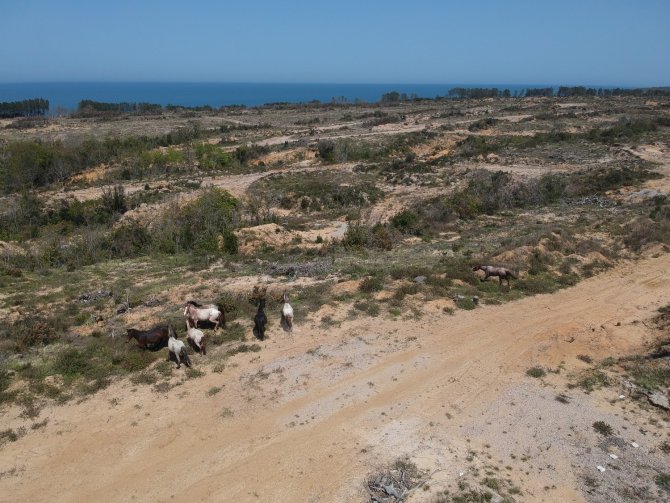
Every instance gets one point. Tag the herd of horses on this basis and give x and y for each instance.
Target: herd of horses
(162, 336)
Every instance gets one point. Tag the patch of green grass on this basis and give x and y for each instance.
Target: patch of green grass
(536, 372)
(492, 483)
(145, 377)
(466, 303)
(663, 481)
(608, 362)
(406, 289)
(372, 284)
(368, 306)
(243, 348)
(651, 376)
(213, 390)
(233, 332)
(592, 380)
(10, 435)
(192, 373)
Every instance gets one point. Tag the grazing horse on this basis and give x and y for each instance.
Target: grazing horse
(196, 339)
(501, 272)
(195, 312)
(260, 320)
(154, 338)
(287, 314)
(178, 349)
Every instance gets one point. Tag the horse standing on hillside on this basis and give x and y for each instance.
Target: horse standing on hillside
(154, 338)
(177, 349)
(287, 315)
(195, 312)
(260, 320)
(501, 272)
(196, 339)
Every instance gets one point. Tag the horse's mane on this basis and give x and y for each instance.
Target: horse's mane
(194, 303)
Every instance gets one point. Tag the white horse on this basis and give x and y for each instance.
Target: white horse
(196, 338)
(195, 312)
(178, 349)
(287, 314)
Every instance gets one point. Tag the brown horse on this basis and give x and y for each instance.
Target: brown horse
(155, 338)
(501, 272)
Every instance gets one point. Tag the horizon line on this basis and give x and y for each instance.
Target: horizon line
(545, 84)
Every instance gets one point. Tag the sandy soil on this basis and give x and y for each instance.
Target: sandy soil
(313, 413)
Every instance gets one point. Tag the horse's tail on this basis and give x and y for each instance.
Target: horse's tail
(185, 358)
(222, 317)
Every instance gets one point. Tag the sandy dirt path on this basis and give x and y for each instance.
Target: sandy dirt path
(311, 414)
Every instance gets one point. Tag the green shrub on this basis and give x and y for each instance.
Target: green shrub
(536, 372)
(466, 303)
(603, 428)
(212, 157)
(372, 284)
(71, 363)
(592, 380)
(246, 153)
(406, 221)
(356, 236)
(199, 224)
(130, 240)
(230, 243)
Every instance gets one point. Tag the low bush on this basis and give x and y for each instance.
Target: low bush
(536, 372)
(359, 236)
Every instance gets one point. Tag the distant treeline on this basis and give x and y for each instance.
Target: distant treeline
(565, 92)
(535, 92)
(123, 107)
(91, 107)
(25, 108)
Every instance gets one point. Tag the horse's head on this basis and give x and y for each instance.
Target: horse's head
(285, 297)
(261, 304)
(131, 333)
(476, 267)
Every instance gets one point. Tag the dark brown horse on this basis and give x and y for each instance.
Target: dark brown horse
(155, 338)
(501, 272)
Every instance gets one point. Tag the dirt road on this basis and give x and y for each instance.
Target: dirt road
(312, 414)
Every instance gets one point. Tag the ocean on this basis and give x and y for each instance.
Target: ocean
(63, 95)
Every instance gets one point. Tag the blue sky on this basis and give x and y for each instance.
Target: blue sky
(606, 42)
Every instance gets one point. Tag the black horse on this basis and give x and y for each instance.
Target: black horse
(260, 320)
